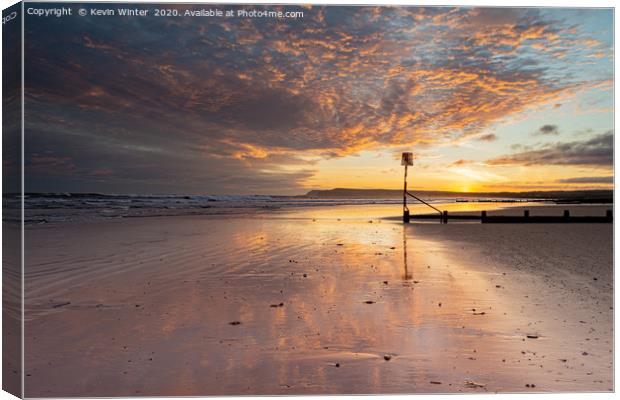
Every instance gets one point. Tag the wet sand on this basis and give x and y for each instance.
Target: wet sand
(316, 301)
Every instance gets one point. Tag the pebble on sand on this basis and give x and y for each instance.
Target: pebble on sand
(369, 302)
(532, 336)
(473, 384)
(235, 323)
(436, 382)
(387, 357)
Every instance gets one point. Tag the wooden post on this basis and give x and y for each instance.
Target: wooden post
(609, 215)
(566, 214)
(445, 217)
(526, 213)
(483, 215)
(405, 208)
(406, 160)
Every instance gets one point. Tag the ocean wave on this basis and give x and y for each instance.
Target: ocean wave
(61, 207)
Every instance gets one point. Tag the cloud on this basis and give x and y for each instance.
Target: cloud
(589, 179)
(460, 162)
(487, 138)
(594, 152)
(548, 130)
(276, 95)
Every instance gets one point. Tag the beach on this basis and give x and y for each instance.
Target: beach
(318, 300)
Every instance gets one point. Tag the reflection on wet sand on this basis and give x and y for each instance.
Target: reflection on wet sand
(408, 275)
(306, 304)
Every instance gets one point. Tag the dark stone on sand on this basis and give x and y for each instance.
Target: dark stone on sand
(532, 336)
(66, 303)
(472, 384)
(585, 353)
(235, 323)
(369, 302)
(385, 282)
(337, 365)
(436, 382)
(387, 357)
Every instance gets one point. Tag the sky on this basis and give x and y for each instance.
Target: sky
(487, 99)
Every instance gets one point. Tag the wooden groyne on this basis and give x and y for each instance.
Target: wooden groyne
(526, 218)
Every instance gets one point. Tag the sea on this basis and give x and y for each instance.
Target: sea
(41, 208)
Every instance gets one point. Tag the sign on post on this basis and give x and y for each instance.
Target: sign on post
(407, 159)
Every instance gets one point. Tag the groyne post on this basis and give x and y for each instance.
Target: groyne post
(406, 160)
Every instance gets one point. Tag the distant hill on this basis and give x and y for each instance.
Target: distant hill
(572, 195)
